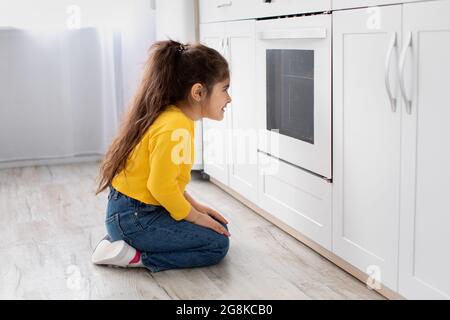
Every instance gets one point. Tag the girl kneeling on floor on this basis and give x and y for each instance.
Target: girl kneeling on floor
(151, 220)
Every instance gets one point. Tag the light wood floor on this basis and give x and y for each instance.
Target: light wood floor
(51, 221)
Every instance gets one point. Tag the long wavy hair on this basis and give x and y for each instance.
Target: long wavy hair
(172, 68)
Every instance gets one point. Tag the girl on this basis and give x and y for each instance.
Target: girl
(151, 220)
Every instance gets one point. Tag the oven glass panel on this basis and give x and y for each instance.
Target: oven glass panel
(290, 93)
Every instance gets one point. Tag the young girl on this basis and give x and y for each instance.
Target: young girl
(151, 220)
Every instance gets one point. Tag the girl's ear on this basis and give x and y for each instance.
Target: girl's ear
(198, 92)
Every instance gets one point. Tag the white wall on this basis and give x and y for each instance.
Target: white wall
(64, 89)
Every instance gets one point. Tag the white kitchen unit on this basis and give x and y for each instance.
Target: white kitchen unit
(215, 133)
(346, 4)
(296, 197)
(366, 141)
(242, 109)
(235, 136)
(227, 10)
(223, 10)
(381, 213)
(390, 172)
(425, 214)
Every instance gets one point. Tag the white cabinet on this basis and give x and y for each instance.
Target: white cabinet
(227, 10)
(366, 142)
(231, 144)
(242, 110)
(297, 198)
(215, 133)
(346, 4)
(425, 214)
(391, 173)
(223, 10)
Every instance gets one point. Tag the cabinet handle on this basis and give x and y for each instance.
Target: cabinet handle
(225, 4)
(222, 47)
(229, 57)
(392, 45)
(408, 43)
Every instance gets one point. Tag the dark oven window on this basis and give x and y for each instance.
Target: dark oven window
(290, 93)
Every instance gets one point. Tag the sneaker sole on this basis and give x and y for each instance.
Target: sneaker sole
(108, 252)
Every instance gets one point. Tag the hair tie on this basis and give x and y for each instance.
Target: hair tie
(181, 48)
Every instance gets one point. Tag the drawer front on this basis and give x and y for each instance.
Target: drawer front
(299, 199)
(228, 10)
(223, 10)
(346, 4)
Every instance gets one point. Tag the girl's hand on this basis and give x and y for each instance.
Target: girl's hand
(204, 220)
(211, 212)
(205, 209)
(208, 222)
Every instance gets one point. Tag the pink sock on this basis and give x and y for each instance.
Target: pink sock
(136, 259)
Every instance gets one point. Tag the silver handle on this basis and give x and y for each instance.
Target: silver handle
(222, 47)
(408, 43)
(225, 4)
(228, 49)
(387, 64)
(229, 55)
(300, 33)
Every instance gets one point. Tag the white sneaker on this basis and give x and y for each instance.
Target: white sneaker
(116, 253)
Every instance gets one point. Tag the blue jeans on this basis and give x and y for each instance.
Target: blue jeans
(164, 242)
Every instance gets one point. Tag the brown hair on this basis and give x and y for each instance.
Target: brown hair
(168, 76)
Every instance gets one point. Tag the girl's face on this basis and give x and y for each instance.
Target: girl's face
(215, 106)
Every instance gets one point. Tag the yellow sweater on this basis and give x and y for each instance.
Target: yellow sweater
(159, 167)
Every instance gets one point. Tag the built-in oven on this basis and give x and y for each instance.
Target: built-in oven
(293, 57)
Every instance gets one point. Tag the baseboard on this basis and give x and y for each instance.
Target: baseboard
(49, 161)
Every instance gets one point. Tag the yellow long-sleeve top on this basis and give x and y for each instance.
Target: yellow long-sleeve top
(159, 167)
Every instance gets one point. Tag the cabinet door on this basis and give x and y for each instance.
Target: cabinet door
(241, 111)
(366, 141)
(215, 133)
(425, 214)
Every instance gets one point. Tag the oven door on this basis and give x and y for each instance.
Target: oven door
(294, 90)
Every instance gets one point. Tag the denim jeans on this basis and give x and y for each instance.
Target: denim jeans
(164, 242)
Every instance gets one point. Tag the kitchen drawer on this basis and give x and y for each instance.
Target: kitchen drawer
(287, 7)
(227, 10)
(223, 10)
(347, 4)
(299, 199)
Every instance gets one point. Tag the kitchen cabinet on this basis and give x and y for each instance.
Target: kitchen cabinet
(390, 170)
(366, 141)
(236, 135)
(296, 197)
(215, 133)
(227, 10)
(223, 10)
(425, 215)
(242, 109)
(347, 4)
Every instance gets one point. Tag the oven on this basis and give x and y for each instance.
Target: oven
(293, 86)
